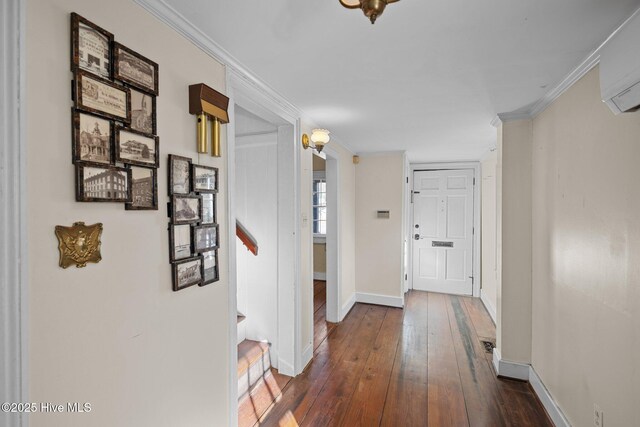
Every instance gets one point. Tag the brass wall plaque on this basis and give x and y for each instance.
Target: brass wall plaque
(79, 244)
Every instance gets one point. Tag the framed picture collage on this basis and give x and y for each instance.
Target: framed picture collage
(193, 229)
(115, 147)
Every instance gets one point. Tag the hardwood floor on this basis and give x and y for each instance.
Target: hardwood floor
(421, 366)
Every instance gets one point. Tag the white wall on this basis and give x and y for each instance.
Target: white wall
(513, 328)
(586, 256)
(380, 242)
(114, 333)
(489, 222)
(257, 209)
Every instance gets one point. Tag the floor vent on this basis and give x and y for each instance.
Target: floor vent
(488, 346)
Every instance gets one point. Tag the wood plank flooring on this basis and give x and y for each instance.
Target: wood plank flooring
(421, 366)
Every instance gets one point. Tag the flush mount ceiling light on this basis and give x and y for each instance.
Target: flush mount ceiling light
(319, 138)
(371, 8)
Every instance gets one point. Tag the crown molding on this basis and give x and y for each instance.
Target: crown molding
(586, 65)
(171, 17)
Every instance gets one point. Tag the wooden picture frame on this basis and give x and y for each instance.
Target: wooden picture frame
(204, 179)
(91, 47)
(137, 148)
(210, 274)
(92, 183)
(205, 238)
(143, 112)
(187, 272)
(180, 242)
(179, 175)
(92, 140)
(209, 213)
(144, 189)
(185, 209)
(91, 93)
(134, 69)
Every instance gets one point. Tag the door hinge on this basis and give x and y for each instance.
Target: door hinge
(474, 181)
(472, 279)
(412, 193)
(405, 277)
(407, 180)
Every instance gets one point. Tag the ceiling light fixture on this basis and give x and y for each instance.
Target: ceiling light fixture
(371, 8)
(319, 138)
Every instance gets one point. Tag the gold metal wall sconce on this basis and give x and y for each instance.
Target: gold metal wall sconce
(208, 105)
(79, 244)
(319, 138)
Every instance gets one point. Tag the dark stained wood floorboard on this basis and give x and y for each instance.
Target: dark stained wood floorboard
(371, 392)
(446, 403)
(407, 393)
(301, 393)
(334, 398)
(482, 398)
(438, 375)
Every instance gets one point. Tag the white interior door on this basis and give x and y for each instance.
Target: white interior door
(443, 231)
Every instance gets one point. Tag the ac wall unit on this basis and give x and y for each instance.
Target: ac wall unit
(620, 68)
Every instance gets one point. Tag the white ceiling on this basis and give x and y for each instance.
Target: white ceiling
(427, 78)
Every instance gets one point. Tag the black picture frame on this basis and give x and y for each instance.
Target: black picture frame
(197, 186)
(129, 67)
(173, 256)
(216, 269)
(188, 281)
(80, 139)
(154, 162)
(104, 59)
(180, 211)
(138, 121)
(179, 185)
(204, 219)
(97, 191)
(88, 100)
(197, 247)
(139, 192)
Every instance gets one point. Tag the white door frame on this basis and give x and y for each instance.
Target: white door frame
(13, 212)
(334, 228)
(253, 98)
(475, 166)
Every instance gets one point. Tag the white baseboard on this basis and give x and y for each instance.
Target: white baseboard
(347, 306)
(489, 306)
(379, 299)
(317, 275)
(525, 372)
(505, 368)
(285, 368)
(307, 354)
(554, 411)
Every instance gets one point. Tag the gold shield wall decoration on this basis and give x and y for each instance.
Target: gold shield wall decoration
(79, 244)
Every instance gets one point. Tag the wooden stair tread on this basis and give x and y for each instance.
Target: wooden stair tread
(248, 353)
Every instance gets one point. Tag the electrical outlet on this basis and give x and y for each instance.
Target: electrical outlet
(598, 416)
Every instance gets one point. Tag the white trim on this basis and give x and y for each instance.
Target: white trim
(387, 300)
(232, 297)
(490, 308)
(507, 369)
(320, 239)
(333, 236)
(549, 403)
(346, 307)
(13, 209)
(319, 275)
(307, 355)
(586, 65)
(477, 206)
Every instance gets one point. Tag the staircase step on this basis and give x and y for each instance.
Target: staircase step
(253, 361)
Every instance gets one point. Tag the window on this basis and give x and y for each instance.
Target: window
(319, 205)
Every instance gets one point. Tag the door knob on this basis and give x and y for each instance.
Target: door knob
(417, 237)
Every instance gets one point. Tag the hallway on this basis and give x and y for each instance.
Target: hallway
(424, 365)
